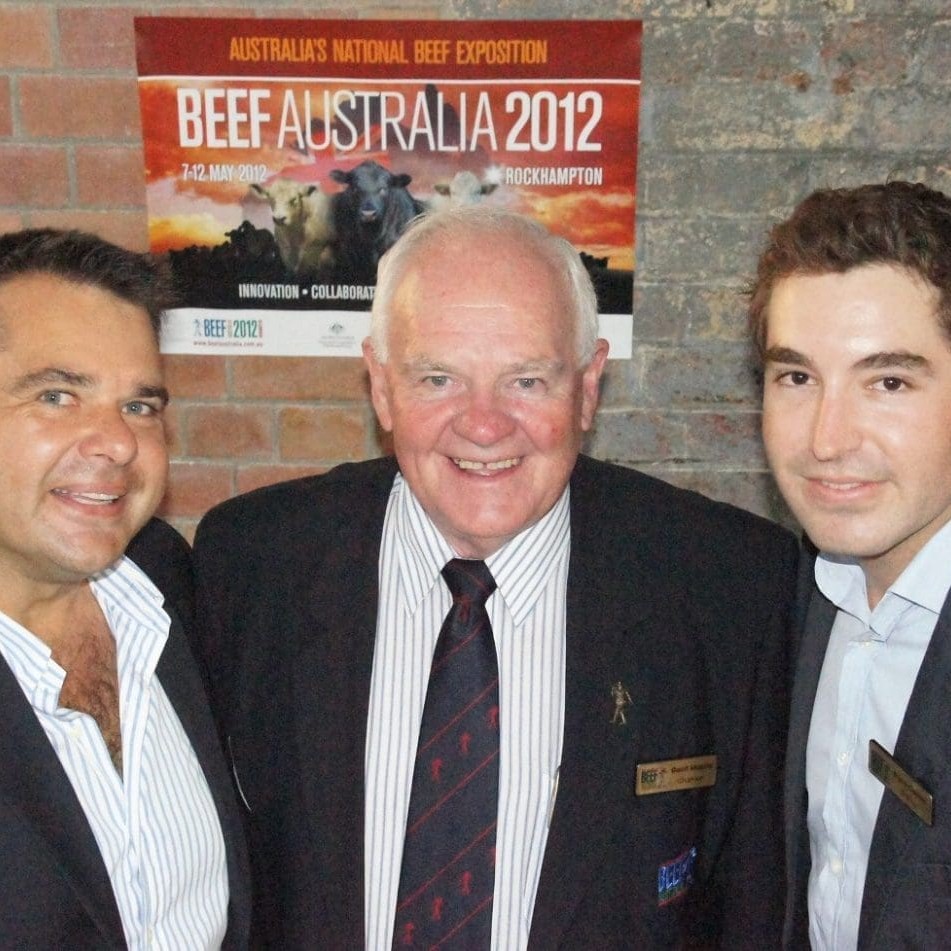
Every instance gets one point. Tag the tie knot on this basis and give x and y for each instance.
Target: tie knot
(469, 580)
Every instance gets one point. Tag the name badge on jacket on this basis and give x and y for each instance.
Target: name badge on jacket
(883, 766)
(673, 775)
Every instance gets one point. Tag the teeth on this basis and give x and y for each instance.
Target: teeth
(477, 466)
(88, 498)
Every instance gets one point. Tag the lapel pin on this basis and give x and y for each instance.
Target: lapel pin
(621, 699)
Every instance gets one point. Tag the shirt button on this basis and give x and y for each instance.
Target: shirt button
(835, 864)
(843, 758)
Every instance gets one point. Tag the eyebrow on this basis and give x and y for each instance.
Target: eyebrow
(49, 376)
(883, 360)
(424, 364)
(786, 355)
(52, 376)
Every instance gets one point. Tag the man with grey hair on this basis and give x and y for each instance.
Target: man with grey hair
(415, 782)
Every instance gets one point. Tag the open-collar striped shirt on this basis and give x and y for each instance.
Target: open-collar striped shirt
(527, 612)
(156, 825)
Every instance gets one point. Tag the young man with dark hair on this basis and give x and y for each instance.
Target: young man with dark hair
(851, 310)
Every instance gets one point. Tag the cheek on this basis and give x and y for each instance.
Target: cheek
(419, 426)
(551, 432)
(152, 453)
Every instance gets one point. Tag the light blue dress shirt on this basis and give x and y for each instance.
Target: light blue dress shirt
(867, 678)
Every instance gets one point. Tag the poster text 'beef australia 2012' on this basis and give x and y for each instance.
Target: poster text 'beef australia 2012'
(283, 157)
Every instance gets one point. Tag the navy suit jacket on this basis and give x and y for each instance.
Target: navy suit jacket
(54, 888)
(907, 897)
(681, 599)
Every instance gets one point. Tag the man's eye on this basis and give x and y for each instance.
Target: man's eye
(54, 397)
(794, 378)
(437, 381)
(528, 382)
(892, 384)
(139, 408)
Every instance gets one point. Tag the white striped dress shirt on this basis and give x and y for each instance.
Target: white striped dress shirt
(527, 612)
(156, 826)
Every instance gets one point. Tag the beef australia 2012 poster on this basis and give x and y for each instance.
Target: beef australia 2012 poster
(283, 157)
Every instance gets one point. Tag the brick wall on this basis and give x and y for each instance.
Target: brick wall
(747, 106)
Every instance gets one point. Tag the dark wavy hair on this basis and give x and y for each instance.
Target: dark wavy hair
(834, 230)
(83, 258)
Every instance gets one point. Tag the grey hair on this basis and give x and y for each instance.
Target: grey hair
(488, 224)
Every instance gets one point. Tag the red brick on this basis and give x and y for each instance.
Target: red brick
(80, 107)
(10, 222)
(6, 107)
(254, 477)
(97, 38)
(187, 375)
(33, 175)
(125, 228)
(25, 37)
(194, 487)
(228, 432)
(300, 378)
(110, 176)
(322, 433)
(173, 423)
(185, 527)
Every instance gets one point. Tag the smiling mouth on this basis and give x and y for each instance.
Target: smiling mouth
(840, 486)
(472, 466)
(88, 498)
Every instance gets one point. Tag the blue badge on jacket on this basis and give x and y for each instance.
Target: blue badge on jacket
(675, 877)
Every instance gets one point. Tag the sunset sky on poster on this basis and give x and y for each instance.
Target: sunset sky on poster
(187, 208)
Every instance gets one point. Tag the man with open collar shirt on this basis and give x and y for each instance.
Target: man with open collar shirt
(118, 824)
(851, 311)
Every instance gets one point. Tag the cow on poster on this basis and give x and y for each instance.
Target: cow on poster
(283, 158)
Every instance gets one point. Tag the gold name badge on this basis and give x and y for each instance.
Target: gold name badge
(672, 775)
(884, 767)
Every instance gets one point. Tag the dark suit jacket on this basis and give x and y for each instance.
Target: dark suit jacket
(54, 888)
(907, 897)
(681, 599)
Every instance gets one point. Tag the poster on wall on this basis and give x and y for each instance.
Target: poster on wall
(283, 157)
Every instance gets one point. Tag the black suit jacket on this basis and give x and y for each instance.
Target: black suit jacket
(681, 599)
(54, 888)
(907, 897)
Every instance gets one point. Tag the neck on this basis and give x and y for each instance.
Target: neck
(50, 611)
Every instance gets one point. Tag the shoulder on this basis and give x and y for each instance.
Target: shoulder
(316, 496)
(680, 529)
(293, 514)
(165, 557)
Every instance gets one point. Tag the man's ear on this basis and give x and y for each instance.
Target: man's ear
(379, 387)
(591, 384)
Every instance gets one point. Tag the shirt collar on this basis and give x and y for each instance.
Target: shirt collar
(132, 606)
(925, 582)
(521, 567)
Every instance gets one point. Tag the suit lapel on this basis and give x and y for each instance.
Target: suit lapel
(922, 750)
(603, 607)
(36, 786)
(332, 692)
(817, 616)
